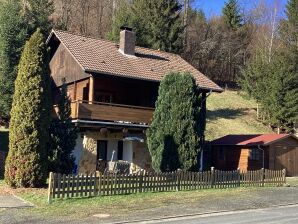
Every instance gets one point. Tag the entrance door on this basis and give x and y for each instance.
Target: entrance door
(102, 150)
(286, 158)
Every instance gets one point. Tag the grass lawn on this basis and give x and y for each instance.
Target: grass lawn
(116, 205)
(231, 113)
(120, 204)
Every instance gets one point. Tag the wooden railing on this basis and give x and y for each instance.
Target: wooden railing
(110, 112)
(97, 184)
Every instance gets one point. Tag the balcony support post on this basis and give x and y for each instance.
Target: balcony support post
(91, 90)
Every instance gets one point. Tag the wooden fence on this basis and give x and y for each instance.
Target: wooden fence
(97, 184)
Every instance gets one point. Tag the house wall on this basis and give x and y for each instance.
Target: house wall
(135, 152)
(63, 65)
(284, 155)
(233, 157)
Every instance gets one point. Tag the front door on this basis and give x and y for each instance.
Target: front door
(102, 150)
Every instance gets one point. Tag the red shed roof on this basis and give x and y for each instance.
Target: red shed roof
(250, 140)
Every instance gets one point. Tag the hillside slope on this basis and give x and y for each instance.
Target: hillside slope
(230, 113)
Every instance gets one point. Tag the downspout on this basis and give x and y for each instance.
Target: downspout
(263, 165)
(203, 137)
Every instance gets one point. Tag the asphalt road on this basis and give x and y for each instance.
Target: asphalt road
(278, 215)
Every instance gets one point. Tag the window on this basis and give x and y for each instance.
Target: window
(102, 150)
(254, 154)
(120, 150)
(103, 97)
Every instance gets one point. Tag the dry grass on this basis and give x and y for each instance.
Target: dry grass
(230, 113)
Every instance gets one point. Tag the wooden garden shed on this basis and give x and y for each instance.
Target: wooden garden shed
(253, 152)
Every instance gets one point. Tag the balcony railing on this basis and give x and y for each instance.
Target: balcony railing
(110, 112)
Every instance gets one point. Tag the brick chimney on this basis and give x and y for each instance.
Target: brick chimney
(127, 41)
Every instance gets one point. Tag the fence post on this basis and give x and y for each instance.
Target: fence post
(178, 172)
(239, 177)
(50, 189)
(141, 182)
(284, 176)
(96, 183)
(263, 176)
(212, 182)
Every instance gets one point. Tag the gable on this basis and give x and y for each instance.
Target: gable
(64, 66)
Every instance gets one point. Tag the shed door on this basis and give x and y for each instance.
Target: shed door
(287, 158)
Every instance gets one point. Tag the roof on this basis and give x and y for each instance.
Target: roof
(102, 56)
(250, 140)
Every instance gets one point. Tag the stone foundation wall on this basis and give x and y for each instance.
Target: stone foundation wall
(87, 161)
(141, 157)
(88, 158)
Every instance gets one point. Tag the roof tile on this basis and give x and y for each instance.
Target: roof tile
(102, 56)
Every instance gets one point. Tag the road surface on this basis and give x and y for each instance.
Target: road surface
(274, 215)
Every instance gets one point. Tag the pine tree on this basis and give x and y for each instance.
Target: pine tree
(18, 22)
(158, 23)
(231, 13)
(38, 15)
(13, 34)
(173, 135)
(30, 115)
(63, 134)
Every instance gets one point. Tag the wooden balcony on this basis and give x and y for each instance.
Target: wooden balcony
(110, 112)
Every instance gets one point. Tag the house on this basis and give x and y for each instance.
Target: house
(252, 152)
(113, 88)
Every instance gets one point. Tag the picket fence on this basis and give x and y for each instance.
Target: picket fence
(98, 184)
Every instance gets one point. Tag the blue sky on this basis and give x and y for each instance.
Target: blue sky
(214, 7)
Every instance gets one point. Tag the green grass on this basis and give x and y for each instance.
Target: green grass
(121, 204)
(292, 181)
(3, 139)
(231, 113)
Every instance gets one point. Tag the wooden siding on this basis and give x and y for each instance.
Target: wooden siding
(243, 161)
(63, 65)
(111, 112)
(284, 155)
(233, 157)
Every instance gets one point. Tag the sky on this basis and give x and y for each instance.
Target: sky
(214, 7)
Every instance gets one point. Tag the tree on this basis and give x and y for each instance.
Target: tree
(30, 115)
(158, 23)
(172, 138)
(13, 33)
(18, 22)
(231, 14)
(63, 134)
(38, 15)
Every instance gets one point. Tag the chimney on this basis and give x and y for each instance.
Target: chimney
(127, 40)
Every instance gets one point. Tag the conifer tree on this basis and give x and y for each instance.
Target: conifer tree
(19, 19)
(232, 17)
(38, 15)
(63, 134)
(158, 23)
(173, 135)
(13, 33)
(30, 115)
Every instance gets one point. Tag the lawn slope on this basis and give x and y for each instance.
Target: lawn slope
(230, 113)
